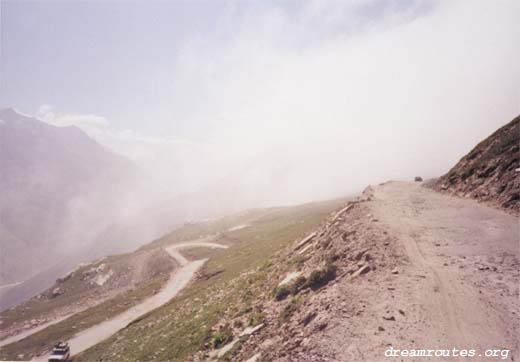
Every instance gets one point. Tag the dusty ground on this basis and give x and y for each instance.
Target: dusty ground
(415, 270)
(457, 287)
(412, 269)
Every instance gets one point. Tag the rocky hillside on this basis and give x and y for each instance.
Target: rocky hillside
(490, 172)
(91, 284)
(107, 287)
(331, 281)
(278, 303)
(344, 290)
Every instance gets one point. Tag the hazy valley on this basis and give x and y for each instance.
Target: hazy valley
(270, 181)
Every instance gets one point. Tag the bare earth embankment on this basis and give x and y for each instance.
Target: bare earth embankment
(406, 268)
(403, 268)
(490, 172)
(458, 286)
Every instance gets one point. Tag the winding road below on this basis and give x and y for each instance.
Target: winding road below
(178, 280)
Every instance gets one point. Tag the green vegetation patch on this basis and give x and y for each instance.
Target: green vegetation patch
(187, 323)
(320, 277)
(222, 337)
(289, 309)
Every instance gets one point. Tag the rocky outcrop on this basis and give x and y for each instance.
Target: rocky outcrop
(490, 172)
(348, 250)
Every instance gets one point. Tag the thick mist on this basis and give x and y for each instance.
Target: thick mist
(319, 108)
(260, 104)
(290, 104)
(234, 106)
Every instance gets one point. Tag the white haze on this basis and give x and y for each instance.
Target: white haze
(293, 106)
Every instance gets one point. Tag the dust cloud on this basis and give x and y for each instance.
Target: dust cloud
(292, 104)
(288, 103)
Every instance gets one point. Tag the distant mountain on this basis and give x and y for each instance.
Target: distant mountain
(67, 199)
(59, 189)
(491, 171)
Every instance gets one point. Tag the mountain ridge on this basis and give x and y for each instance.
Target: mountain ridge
(49, 176)
(490, 172)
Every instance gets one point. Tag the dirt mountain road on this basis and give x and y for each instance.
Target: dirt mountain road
(179, 279)
(456, 286)
(449, 241)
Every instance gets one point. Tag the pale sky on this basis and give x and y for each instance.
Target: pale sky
(320, 97)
